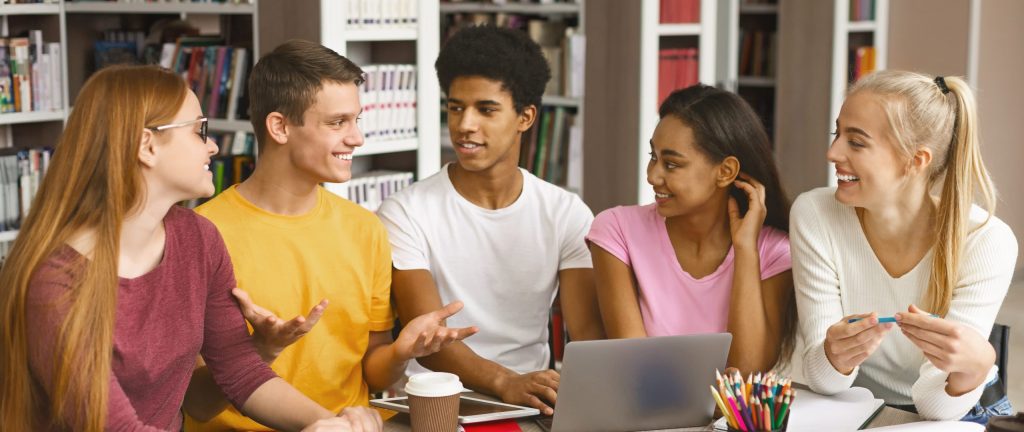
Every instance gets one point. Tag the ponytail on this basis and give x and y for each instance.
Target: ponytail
(965, 174)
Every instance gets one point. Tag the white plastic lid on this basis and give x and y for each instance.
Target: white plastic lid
(433, 384)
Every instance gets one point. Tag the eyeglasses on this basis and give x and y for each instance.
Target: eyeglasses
(203, 122)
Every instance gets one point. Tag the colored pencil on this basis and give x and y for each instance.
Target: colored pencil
(721, 407)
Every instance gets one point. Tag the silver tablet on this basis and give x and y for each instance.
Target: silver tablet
(471, 410)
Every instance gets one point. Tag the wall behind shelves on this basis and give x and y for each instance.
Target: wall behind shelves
(801, 134)
(610, 164)
(937, 45)
(932, 37)
(1000, 104)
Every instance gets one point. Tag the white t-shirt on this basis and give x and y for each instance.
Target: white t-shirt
(502, 264)
(836, 273)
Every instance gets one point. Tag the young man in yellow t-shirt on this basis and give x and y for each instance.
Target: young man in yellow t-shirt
(295, 246)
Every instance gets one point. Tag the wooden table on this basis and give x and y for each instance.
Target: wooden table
(888, 417)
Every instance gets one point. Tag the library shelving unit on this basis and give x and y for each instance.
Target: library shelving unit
(38, 128)
(622, 91)
(571, 14)
(78, 25)
(327, 22)
(748, 53)
(817, 40)
(236, 22)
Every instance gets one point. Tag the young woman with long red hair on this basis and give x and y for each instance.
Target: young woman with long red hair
(111, 290)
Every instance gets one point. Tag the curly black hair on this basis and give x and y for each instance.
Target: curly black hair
(501, 54)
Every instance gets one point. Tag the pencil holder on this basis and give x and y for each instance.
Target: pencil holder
(781, 428)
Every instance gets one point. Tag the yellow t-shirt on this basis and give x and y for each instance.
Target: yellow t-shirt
(338, 251)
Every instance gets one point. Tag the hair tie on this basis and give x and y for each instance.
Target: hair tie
(941, 82)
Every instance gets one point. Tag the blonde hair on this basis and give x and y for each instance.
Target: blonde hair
(922, 113)
(93, 182)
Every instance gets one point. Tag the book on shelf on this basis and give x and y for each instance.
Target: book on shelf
(551, 146)
(216, 72)
(861, 62)
(370, 189)
(862, 10)
(30, 74)
(20, 177)
(757, 53)
(389, 102)
(27, 1)
(382, 14)
(561, 43)
(679, 11)
(677, 68)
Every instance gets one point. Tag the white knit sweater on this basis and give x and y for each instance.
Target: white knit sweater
(837, 274)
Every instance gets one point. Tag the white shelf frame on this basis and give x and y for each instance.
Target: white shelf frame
(30, 9)
(8, 236)
(223, 125)
(376, 147)
(336, 35)
(527, 8)
(842, 27)
(380, 35)
(562, 101)
(683, 29)
(765, 9)
(648, 83)
(31, 117)
(755, 81)
(159, 8)
(861, 26)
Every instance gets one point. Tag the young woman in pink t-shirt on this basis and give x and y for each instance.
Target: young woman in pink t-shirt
(712, 254)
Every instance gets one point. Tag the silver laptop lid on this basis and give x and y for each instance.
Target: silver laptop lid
(624, 385)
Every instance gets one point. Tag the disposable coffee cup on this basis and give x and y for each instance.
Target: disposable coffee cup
(434, 401)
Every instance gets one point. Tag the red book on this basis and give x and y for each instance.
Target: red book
(692, 66)
(665, 78)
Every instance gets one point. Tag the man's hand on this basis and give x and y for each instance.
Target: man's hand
(427, 334)
(271, 334)
(536, 389)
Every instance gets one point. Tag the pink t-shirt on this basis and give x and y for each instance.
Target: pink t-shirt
(672, 302)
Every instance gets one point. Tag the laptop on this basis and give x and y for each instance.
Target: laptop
(621, 385)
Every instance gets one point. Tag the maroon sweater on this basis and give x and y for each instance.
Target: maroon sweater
(164, 319)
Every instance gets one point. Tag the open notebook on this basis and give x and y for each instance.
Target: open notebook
(849, 410)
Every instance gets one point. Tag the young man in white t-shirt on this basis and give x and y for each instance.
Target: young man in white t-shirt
(490, 234)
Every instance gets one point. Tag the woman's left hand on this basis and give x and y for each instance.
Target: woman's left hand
(950, 346)
(746, 230)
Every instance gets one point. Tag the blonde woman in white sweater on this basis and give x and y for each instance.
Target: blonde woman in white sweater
(881, 244)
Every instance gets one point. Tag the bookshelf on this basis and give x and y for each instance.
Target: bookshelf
(160, 8)
(816, 39)
(368, 45)
(624, 85)
(234, 22)
(748, 54)
(28, 127)
(560, 28)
